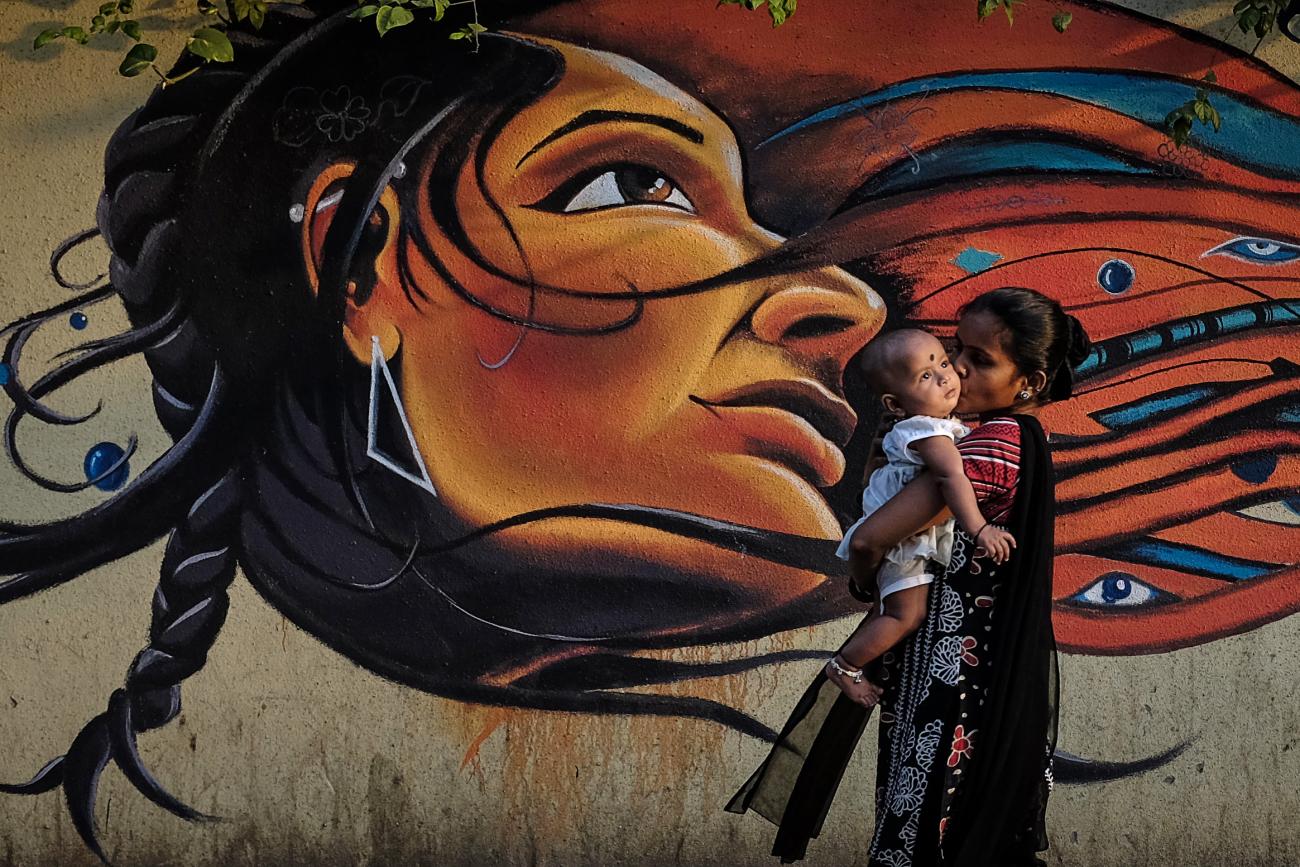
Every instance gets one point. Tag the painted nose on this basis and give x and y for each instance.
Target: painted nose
(824, 317)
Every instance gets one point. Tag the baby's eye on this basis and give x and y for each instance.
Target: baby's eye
(614, 187)
(925, 376)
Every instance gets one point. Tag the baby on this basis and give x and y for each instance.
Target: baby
(910, 371)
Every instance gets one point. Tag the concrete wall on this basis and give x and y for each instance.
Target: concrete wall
(425, 722)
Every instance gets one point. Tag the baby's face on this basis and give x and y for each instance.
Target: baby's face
(924, 382)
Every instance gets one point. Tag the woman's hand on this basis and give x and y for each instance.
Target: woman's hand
(864, 693)
(996, 542)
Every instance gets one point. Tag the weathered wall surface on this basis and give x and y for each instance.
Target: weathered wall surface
(587, 684)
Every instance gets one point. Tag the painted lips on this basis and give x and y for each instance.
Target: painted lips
(795, 422)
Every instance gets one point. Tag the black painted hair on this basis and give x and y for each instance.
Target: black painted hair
(1039, 336)
(196, 211)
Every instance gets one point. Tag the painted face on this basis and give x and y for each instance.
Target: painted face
(924, 382)
(725, 403)
(990, 380)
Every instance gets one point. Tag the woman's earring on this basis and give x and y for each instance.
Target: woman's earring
(385, 401)
(1025, 394)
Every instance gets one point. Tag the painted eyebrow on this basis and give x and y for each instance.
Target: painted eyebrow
(598, 115)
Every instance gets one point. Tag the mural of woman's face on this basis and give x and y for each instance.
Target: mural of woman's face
(725, 403)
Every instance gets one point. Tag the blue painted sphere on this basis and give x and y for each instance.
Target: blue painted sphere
(100, 458)
(1116, 276)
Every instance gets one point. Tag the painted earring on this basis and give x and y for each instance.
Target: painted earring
(1025, 394)
(385, 400)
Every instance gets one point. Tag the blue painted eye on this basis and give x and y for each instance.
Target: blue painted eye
(1116, 276)
(1116, 589)
(1259, 251)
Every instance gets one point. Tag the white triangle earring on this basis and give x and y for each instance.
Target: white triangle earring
(417, 473)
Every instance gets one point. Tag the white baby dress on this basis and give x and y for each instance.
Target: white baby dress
(907, 563)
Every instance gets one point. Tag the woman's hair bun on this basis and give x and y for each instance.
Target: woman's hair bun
(1078, 345)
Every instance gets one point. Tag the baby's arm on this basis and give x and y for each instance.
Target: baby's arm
(944, 461)
(917, 507)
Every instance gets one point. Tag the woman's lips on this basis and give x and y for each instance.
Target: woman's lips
(797, 423)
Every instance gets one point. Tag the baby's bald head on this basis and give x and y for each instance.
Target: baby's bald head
(885, 357)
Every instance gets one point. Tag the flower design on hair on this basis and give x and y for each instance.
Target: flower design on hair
(343, 116)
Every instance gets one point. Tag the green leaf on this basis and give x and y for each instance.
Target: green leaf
(364, 11)
(391, 17)
(780, 10)
(1200, 109)
(45, 37)
(1180, 130)
(257, 15)
(108, 8)
(113, 26)
(439, 7)
(126, 7)
(97, 23)
(132, 29)
(1215, 120)
(76, 34)
(210, 44)
(138, 59)
(1061, 21)
(984, 8)
(476, 28)
(1210, 77)
(207, 7)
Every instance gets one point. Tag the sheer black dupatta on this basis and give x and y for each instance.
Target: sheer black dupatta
(1005, 802)
(795, 785)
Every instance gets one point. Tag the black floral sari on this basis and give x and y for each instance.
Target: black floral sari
(968, 716)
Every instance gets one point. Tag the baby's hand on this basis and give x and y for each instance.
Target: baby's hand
(996, 542)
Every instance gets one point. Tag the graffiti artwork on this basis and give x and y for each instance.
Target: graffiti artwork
(499, 370)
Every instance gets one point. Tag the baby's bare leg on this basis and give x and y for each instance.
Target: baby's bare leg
(878, 632)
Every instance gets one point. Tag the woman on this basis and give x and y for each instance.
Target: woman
(968, 723)
(476, 363)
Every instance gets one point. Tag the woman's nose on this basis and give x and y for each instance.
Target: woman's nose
(824, 316)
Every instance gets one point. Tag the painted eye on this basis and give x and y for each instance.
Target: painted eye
(618, 186)
(1118, 589)
(1257, 251)
(1286, 512)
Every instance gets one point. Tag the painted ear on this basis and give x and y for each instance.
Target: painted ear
(373, 282)
(891, 404)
